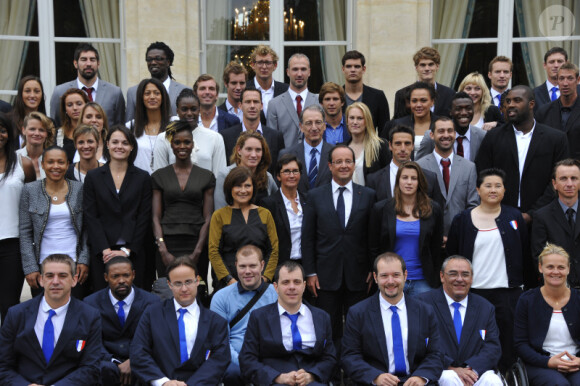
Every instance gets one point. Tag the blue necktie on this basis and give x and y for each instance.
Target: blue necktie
(48, 337)
(312, 168)
(340, 206)
(398, 351)
(457, 321)
(296, 338)
(182, 341)
(498, 96)
(554, 93)
(121, 313)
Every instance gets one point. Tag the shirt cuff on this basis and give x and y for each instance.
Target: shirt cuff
(159, 382)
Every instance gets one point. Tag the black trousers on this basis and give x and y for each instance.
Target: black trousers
(11, 275)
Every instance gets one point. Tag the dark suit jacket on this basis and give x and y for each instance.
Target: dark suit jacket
(442, 103)
(264, 357)
(117, 340)
(274, 139)
(5, 107)
(543, 97)
(499, 150)
(551, 225)
(377, 103)
(22, 361)
(275, 204)
(385, 157)
(155, 347)
(331, 251)
(225, 120)
(383, 233)
(323, 177)
(381, 182)
(549, 115)
(109, 215)
(364, 344)
(480, 352)
(279, 88)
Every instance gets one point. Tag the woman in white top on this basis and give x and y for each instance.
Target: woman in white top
(152, 112)
(38, 132)
(12, 179)
(547, 324)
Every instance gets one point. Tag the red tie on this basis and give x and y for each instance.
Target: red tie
(446, 164)
(298, 105)
(89, 91)
(460, 145)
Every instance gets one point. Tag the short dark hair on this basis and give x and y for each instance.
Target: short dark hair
(203, 78)
(60, 258)
(168, 52)
(389, 256)
(236, 177)
(353, 54)
(54, 147)
(330, 87)
(290, 266)
(248, 90)
(569, 66)
(401, 129)
(236, 68)
(428, 53)
(249, 250)
(285, 160)
(555, 50)
(178, 262)
(118, 260)
(423, 86)
(528, 92)
(84, 47)
(565, 162)
(490, 172)
(186, 93)
(461, 95)
(339, 146)
(129, 136)
(442, 118)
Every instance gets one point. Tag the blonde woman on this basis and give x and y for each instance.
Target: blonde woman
(38, 132)
(371, 153)
(485, 114)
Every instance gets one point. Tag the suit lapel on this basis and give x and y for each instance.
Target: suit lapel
(275, 326)
(101, 92)
(68, 329)
(170, 316)
(376, 320)
(330, 205)
(30, 334)
(289, 103)
(356, 197)
(109, 309)
(413, 323)
(560, 218)
(510, 139)
(471, 315)
(282, 209)
(534, 144)
(108, 180)
(442, 307)
(323, 164)
(454, 175)
(202, 331)
(137, 305)
(437, 170)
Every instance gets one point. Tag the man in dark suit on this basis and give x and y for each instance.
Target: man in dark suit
(389, 337)
(353, 68)
(467, 137)
(159, 58)
(564, 113)
(179, 341)
(469, 333)
(109, 96)
(401, 146)
(288, 342)
(251, 105)
(427, 61)
(5, 107)
(210, 117)
(235, 77)
(313, 151)
(557, 222)
(264, 62)
(52, 339)
(332, 98)
(121, 306)
(335, 251)
(284, 111)
(527, 157)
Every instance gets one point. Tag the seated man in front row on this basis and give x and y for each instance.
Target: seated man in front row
(469, 334)
(121, 306)
(178, 342)
(229, 302)
(391, 338)
(288, 342)
(52, 339)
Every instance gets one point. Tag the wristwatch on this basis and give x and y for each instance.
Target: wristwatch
(126, 251)
(227, 279)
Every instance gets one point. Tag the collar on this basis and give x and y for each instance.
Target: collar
(385, 305)
(438, 158)
(293, 94)
(450, 301)
(128, 300)
(258, 87)
(335, 186)
(258, 129)
(393, 167)
(95, 86)
(193, 308)
(241, 289)
(340, 125)
(167, 82)
(287, 200)
(549, 85)
(494, 93)
(281, 309)
(466, 135)
(308, 148)
(565, 207)
(521, 134)
(45, 307)
(229, 106)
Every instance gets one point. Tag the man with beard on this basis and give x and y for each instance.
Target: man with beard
(159, 58)
(235, 77)
(110, 97)
(526, 151)
(121, 306)
(467, 137)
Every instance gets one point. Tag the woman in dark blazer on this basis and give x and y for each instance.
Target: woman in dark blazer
(371, 152)
(547, 324)
(410, 224)
(117, 204)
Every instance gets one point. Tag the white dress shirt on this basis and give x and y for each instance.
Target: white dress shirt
(267, 95)
(214, 124)
(466, 144)
(462, 309)
(387, 314)
(57, 320)
(295, 221)
(128, 302)
(293, 95)
(523, 144)
(231, 109)
(258, 129)
(494, 98)
(346, 195)
(438, 158)
(305, 325)
(549, 86)
(393, 174)
(95, 87)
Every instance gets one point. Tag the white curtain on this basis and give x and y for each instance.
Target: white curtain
(101, 18)
(332, 21)
(217, 29)
(15, 19)
(528, 17)
(451, 20)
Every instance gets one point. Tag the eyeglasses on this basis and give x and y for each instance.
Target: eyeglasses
(178, 284)
(149, 59)
(455, 274)
(340, 162)
(266, 63)
(288, 172)
(313, 123)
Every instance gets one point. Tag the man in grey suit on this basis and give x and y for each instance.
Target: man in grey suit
(284, 110)
(456, 175)
(467, 137)
(159, 58)
(109, 96)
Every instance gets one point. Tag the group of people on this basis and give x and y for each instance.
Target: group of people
(398, 249)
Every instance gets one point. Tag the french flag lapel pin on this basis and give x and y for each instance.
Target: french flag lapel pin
(482, 333)
(514, 224)
(81, 345)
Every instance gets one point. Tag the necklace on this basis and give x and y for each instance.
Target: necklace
(152, 146)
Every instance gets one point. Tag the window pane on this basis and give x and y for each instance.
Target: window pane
(68, 19)
(238, 20)
(454, 19)
(546, 18)
(312, 20)
(18, 17)
(87, 18)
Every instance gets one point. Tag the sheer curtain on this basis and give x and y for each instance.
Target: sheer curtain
(217, 29)
(528, 17)
(451, 20)
(101, 18)
(332, 20)
(15, 19)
